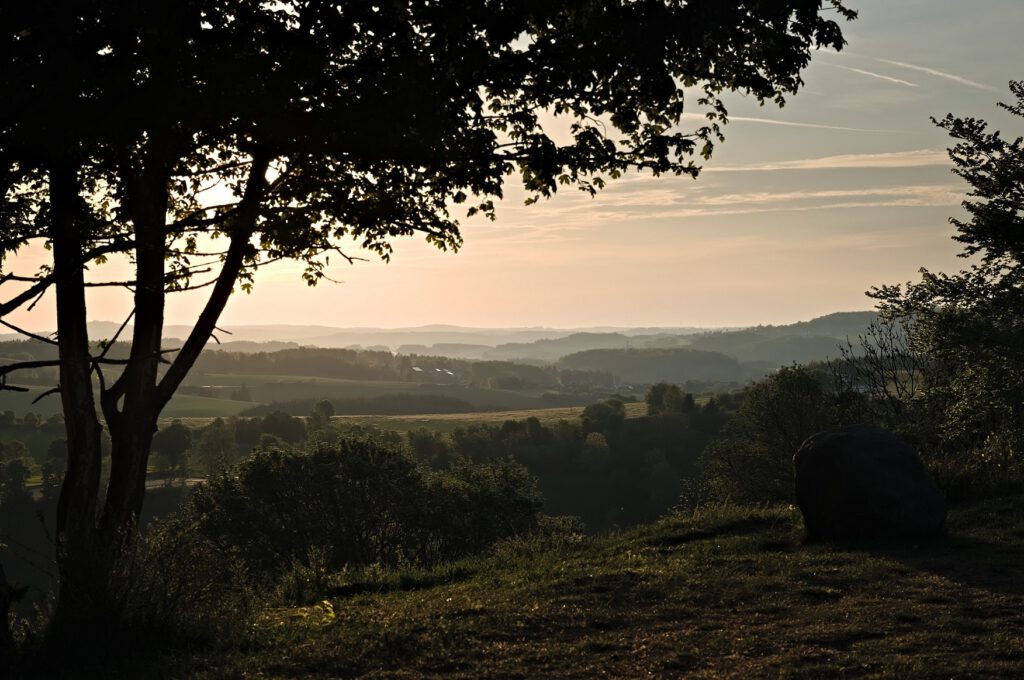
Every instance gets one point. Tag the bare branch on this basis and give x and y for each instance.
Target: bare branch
(26, 295)
(233, 263)
(52, 390)
(22, 331)
(26, 365)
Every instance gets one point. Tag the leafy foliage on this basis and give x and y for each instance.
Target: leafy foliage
(752, 460)
(664, 398)
(966, 330)
(356, 504)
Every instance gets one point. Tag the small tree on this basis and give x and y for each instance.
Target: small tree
(13, 450)
(664, 398)
(752, 460)
(280, 424)
(171, 444)
(323, 411)
(216, 447)
(605, 417)
(14, 476)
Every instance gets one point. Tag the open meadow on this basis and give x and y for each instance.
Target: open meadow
(725, 593)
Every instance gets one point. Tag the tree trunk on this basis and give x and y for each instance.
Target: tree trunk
(89, 542)
(80, 575)
(133, 425)
(6, 640)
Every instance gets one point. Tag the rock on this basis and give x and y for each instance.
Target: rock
(858, 482)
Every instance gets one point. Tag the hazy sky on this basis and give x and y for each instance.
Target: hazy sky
(801, 210)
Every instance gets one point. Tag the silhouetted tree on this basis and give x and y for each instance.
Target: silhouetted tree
(14, 483)
(605, 417)
(752, 460)
(242, 393)
(216, 447)
(323, 411)
(961, 352)
(319, 122)
(664, 398)
(280, 424)
(171, 444)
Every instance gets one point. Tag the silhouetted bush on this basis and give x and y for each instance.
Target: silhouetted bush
(359, 503)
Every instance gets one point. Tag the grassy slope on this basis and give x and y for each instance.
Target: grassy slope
(732, 593)
(193, 406)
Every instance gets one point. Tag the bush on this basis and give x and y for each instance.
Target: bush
(358, 503)
(184, 586)
(752, 460)
(172, 591)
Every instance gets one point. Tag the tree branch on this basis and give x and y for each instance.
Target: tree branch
(242, 229)
(22, 331)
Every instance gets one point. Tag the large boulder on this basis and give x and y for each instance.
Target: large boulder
(862, 481)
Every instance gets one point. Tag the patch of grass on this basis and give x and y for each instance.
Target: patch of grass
(725, 592)
(271, 388)
(22, 402)
(194, 406)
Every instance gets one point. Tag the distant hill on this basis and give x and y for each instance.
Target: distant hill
(453, 350)
(801, 342)
(554, 349)
(645, 366)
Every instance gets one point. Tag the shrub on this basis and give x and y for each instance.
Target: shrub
(358, 503)
(752, 460)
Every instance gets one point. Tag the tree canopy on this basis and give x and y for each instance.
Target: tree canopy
(202, 139)
(962, 333)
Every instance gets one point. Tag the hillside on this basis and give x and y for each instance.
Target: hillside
(645, 366)
(725, 593)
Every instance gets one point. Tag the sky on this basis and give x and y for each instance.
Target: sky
(799, 212)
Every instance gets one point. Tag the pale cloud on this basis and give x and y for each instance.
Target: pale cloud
(938, 74)
(896, 159)
(646, 204)
(872, 74)
(930, 194)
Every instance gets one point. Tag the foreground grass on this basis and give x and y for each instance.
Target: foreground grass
(728, 593)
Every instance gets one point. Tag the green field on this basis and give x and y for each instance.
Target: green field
(266, 389)
(276, 388)
(21, 402)
(726, 593)
(192, 406)
(446, 422)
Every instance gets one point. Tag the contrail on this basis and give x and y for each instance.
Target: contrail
(938, 74)
(875, 75)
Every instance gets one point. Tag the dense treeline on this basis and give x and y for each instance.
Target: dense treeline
(383, 405)
(351, 364)
(605, 469)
